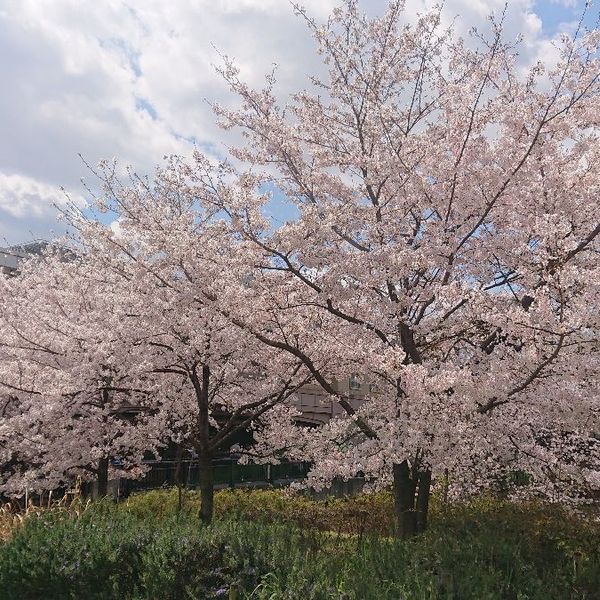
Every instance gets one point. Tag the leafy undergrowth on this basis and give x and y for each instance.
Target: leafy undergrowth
(12, 515)
(264, 545)
(372, 513)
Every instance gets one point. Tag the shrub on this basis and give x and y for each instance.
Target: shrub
(156, 504)
(55, 551)
(147, 550)
(366, 513)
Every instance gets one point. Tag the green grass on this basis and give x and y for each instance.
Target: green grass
(264, 545)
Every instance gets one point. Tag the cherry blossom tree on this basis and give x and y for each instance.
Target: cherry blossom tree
(65, 390)
(445, 250)
(178, 269)
(446, 239)
(134, 324)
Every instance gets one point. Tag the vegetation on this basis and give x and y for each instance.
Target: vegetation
(264, 544)
(435, 278)
(369, 513)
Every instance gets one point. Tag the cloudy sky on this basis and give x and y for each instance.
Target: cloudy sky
(132, 79)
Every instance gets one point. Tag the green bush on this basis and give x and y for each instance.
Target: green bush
(156, 504)
(366, 513)
(145, 549)
(106, 554)
(89, 556)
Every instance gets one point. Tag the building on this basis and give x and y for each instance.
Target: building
(9, 262)
(12, 257)
(318, 408)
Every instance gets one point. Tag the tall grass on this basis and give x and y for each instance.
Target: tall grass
(12, 515)
(487, 550)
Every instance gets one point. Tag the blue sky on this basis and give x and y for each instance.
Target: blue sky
(132, 79)
(555, 14)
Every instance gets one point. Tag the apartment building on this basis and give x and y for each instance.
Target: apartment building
(12, 257)
(317, 407)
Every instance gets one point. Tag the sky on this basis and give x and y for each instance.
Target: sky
(135, 79)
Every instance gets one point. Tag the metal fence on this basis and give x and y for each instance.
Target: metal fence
(226, 474)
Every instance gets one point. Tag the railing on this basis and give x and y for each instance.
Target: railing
(226, 474)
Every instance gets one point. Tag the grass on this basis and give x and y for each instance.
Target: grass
(368, 513)
(269, 546)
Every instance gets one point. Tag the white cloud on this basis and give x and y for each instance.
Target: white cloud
(28, 209)
(129, 78)
(23, 197)
(566, 3)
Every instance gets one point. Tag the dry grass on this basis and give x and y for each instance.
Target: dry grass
(9, 519)
(12, 515)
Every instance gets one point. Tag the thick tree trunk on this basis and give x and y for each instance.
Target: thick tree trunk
(411, 499)
(102, 478)
(404, 499)
(203, 446)
(206, 472)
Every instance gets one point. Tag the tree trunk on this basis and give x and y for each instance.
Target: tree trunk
(205, 452)
(404, 500)
(102, 478)
(206, 488)
(423, 500)
(412, 489)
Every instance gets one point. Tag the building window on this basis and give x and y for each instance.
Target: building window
(354, 383)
